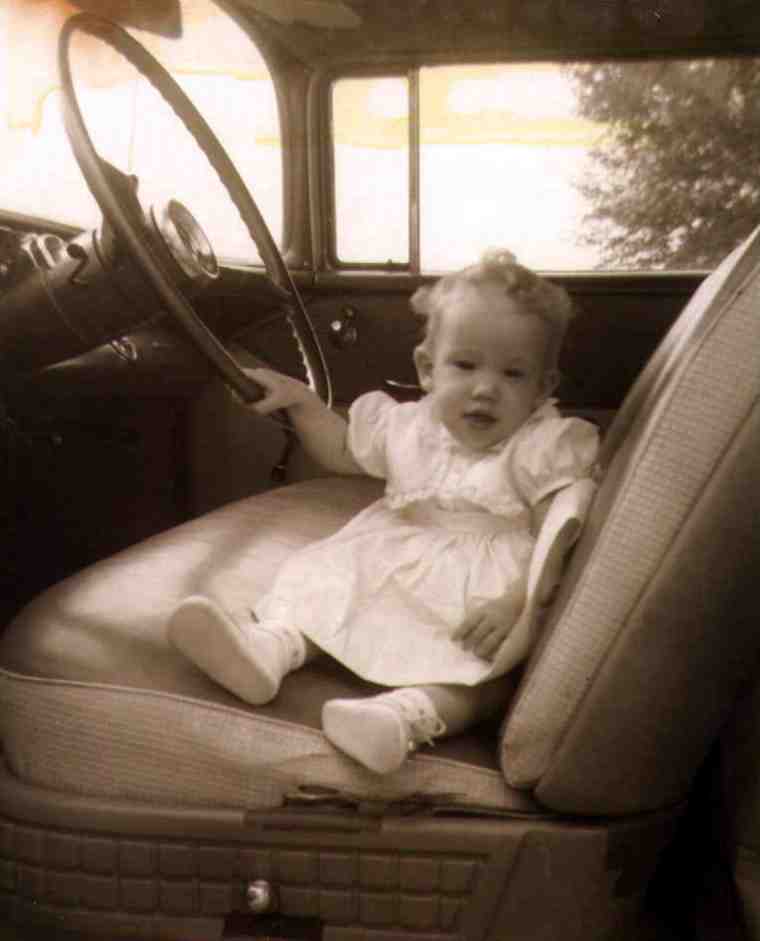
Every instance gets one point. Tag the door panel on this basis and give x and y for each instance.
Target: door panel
(618, 324)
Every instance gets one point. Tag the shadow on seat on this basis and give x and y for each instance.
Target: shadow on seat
(140, 797)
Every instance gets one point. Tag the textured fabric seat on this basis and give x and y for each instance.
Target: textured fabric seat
(639, 666)
(93, 649)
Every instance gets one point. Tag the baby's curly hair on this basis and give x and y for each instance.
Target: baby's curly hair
(529, 291)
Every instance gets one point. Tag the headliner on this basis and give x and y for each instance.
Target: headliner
(340, 33)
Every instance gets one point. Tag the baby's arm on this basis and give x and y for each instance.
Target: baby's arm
(322, 432)
(485, 629)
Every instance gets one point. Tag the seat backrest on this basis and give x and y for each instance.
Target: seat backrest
(653, 629)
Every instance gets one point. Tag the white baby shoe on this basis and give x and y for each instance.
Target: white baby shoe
(249, 659)
(381, 731)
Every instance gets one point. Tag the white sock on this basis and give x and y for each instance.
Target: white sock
(248, 659)
(381, 731)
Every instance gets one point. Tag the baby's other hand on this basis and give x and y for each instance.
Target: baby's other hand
(280, 391)
(484, 630)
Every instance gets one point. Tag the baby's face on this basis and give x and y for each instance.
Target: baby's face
(488, 370)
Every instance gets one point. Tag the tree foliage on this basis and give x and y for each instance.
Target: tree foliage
(674, 179)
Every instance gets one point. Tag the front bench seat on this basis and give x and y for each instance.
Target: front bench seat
(140, 797)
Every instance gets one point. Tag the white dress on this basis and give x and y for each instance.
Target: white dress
(453, 531)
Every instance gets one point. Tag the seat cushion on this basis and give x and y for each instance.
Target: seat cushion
(94, 700)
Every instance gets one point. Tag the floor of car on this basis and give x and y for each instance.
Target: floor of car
(692, 894)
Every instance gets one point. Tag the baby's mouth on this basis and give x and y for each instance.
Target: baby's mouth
(479, 419)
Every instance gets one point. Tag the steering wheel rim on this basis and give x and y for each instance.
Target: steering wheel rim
(136, 236)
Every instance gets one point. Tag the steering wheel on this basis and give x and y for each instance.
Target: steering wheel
(121, 210)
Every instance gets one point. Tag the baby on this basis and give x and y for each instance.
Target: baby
(419, 592)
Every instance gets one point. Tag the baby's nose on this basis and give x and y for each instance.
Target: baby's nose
(486, 386)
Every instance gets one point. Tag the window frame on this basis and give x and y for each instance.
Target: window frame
(324, 97)
(322, 172)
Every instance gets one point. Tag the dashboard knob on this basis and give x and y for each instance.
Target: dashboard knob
(259, 896)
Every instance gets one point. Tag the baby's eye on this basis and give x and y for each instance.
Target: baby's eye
(514, 373)
(464, 364)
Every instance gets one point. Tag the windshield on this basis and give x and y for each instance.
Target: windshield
(216, 64)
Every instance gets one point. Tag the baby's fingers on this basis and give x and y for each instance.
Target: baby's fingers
(479, 633)
(488, 646)
(467, 626)
(265, 377)
(271, 383)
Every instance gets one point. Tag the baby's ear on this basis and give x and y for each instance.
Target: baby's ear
(424, 363)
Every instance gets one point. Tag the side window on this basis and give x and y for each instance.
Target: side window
(578, 166)
(370, 121)
(501, 148)
(218, 66)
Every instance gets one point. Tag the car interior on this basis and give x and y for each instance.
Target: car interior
(194, 188)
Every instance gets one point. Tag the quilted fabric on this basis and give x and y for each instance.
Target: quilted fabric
(147, 745)
(678, 464)
(93, 700)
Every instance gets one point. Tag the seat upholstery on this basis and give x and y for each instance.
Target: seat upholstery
(655, 627)
(639, 665)
(87, 670)
(661, 573)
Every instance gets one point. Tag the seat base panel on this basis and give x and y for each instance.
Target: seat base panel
(81, 866)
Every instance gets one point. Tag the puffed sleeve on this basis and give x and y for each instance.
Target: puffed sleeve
(368, 430)
(552, 454)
